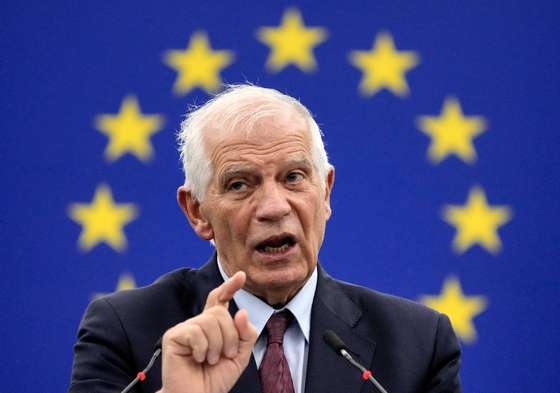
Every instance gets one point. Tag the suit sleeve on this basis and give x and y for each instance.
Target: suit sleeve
(444, 371)
(102, 359)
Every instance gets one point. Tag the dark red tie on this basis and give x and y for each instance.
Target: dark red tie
(274, 371)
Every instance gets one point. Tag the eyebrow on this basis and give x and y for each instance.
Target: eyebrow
(242, 170)
(236, 171)
(299, 162)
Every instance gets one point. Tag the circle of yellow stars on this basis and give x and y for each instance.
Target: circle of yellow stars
(292, 43)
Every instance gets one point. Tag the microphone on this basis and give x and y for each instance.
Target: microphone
(335, 342)
(157, 345)
(339, 347)
(142, 374)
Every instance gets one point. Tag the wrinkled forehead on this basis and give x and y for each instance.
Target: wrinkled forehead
(261, 126)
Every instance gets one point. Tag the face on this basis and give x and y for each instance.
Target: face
(266, 207)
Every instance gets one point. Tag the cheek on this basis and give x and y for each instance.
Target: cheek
(313, 218)
(321, 217)
(238, 224)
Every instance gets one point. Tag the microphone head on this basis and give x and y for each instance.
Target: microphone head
(334, 342)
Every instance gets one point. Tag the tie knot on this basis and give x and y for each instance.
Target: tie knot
(277, 325)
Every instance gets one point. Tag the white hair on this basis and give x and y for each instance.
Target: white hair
(239, 106)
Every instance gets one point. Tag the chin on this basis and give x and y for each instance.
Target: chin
(286, 279)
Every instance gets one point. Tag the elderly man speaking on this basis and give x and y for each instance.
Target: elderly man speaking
(258, 185)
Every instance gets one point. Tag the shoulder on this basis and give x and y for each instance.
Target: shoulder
(135, 305)
(177, 293)
(390, 313)
(118, 331)
(368, 300)
(140, 316)
(170, 285)
(171, 298)
(409, 335)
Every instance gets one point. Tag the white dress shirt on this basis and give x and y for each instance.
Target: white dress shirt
(296, 338)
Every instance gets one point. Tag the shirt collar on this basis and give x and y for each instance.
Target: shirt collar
(260, 312)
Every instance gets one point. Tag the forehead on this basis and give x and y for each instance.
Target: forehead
(283, 134)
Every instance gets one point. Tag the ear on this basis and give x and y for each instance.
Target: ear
(191, 207)
(328, 188)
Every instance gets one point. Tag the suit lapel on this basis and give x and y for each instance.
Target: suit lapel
(248, 382)
(326, 371)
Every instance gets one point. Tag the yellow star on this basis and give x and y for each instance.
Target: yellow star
(460, 309)
(291, 42)
(102, 220)
(198, 65)
(451, 132)
(126, 281)
(129, 131)
(476, 222)
(383, 66)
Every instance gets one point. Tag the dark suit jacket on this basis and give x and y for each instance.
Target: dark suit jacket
(409, 348)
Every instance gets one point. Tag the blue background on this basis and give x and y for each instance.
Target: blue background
(65, 62)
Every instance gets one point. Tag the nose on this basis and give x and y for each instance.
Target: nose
(273, 204)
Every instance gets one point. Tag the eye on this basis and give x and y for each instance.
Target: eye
(295, 177)
(237, 185)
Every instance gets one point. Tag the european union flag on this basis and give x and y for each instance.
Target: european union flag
(440, 118)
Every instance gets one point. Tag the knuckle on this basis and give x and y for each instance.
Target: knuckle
(198, 338)
(218, 311)
(166, 338)
(192, 328)
(231, 334)
(213, 295)
(204, 320)
(171, 333)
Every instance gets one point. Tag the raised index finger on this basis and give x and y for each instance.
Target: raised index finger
(224, 293)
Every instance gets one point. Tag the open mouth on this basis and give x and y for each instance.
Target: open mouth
(276, 244)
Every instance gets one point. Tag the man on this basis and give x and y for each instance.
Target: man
(258, 184)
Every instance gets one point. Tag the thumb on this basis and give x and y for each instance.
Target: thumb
(247, 335)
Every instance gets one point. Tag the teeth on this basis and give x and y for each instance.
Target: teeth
(276, 250)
